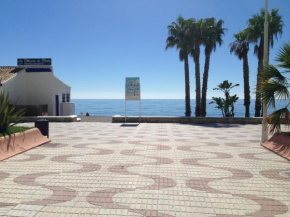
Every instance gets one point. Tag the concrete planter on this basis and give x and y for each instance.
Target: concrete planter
(280, 144)
(21, 142)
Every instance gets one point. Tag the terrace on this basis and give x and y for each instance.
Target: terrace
(169, 169)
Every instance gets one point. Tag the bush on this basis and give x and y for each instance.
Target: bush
(226, 105)
(8, 115)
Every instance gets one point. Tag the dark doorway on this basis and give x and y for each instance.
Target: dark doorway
(56, 105)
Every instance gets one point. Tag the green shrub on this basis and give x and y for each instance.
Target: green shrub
(8, 115)
(15, 129)
(226, 105)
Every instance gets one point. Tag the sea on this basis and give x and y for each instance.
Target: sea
(155, 107)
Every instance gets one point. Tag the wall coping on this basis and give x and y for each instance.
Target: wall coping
(71, 118)
(183, 119)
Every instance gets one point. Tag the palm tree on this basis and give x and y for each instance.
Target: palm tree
(178, 37)
(213, 32)
(275, 85)
(256, 30)
(240, 47)
(196, 32)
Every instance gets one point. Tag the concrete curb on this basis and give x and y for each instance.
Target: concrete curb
(72, 118)
(187, 120)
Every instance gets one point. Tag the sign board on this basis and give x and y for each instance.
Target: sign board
(36, 62)
(132, 89)
(132, 92)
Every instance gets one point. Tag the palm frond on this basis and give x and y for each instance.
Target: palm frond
(271, 72)
(241, 45)
(283, 57)
(277, 118)
(274, 90)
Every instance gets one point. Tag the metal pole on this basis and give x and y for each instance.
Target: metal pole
(125, 102)
(266, 61)
(139, 111)
(125, 110)
(140, 104)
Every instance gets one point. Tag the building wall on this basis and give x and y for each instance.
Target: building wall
(39, 89)
(16, 87)
(36, 88)
(58, 89)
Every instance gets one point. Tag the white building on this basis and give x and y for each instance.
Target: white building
(33, 83)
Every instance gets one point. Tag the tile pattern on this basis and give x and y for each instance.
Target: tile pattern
(103, 169)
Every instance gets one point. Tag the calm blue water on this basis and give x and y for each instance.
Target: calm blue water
(151, 107)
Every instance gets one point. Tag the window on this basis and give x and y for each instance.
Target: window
(63, 97)
(68, 97)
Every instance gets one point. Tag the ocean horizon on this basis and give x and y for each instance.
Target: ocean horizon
(154, 107)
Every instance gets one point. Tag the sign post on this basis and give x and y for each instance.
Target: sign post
(132, 92)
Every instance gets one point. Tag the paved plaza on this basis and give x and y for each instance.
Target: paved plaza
(104, 169)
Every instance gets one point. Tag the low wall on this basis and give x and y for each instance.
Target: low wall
(21, 142)
(186, 120)
(72, 118)
(279, 144)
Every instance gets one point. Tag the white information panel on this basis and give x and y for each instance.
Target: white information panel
(132, 92)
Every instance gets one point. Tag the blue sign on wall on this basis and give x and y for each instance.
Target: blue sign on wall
(31, 62)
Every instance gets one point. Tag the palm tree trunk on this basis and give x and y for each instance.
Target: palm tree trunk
(258, 103)
(197, 81)
(187, 87)
(205, 81)
(247, 99)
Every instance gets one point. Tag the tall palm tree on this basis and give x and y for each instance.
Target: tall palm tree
(240, 47)
(256, 30)
(178, 37)
(196, 32)
(275, 85)
(213, 32)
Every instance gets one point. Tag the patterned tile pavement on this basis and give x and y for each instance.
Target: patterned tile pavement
(104, 169)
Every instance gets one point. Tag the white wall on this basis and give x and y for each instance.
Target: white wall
(16, 87)
(68, 108)
(36, 88)
(39, 89)
(58, 89)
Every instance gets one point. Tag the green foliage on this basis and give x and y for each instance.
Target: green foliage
(187, 36)
(226, 105)
(241, 44)
(256, 36)
(178, 36)
(283, 57)
(8, 115)
(213, 33)
(256, 27)
(275, 119)
(286, 133)
(15, 129)
(276, 86)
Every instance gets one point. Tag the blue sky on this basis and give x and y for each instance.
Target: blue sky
(95, 44)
